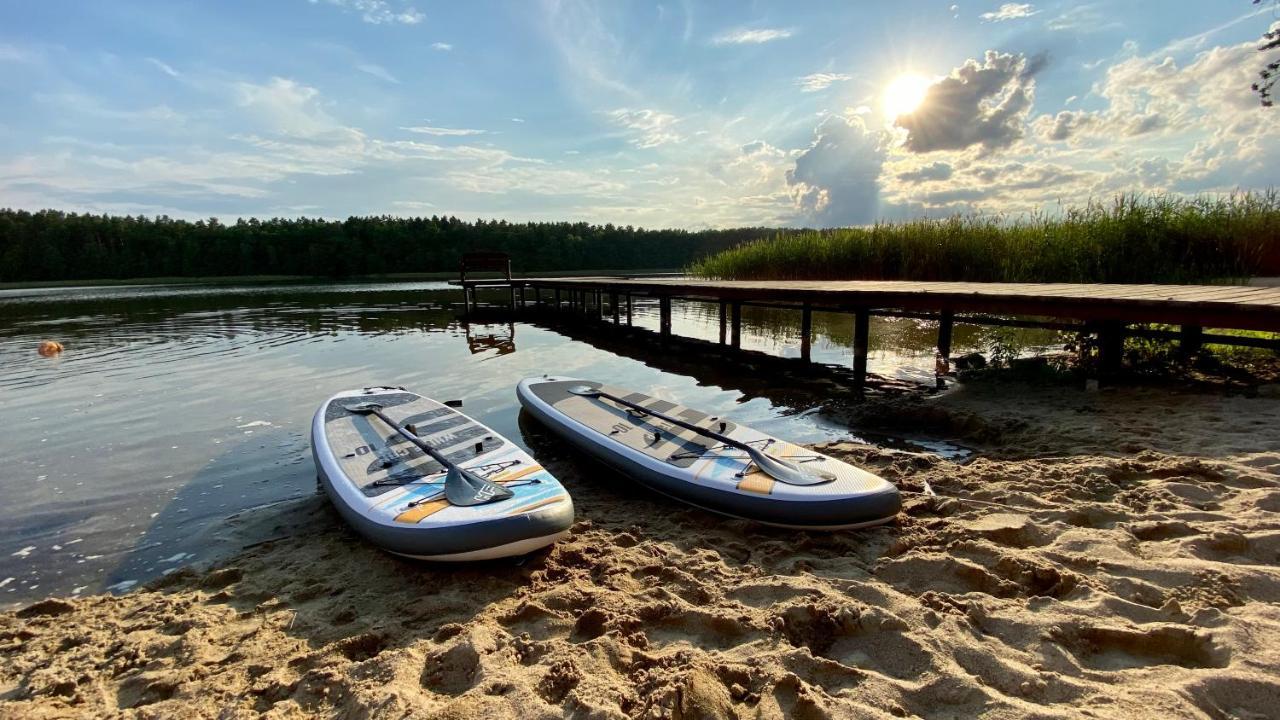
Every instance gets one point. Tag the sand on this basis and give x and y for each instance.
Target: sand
(1127, 566)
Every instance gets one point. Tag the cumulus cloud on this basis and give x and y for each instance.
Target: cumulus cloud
(441, 131)
(821, 81)
(441, 46)
(1010, 11)
(836, 181)
(926, 173)
(745, 36)
(379, 12)
(650, 128)
(982, 104)
(286, 106)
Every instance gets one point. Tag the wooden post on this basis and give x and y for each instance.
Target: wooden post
(613, 306)
(557, 299)
(630, 300)
(511, 303)
(599, 314)
(806, 329)
(942, 364)
(861, 344)
(724, 322)
(735, 329)
(664, 316)
(521, 297)
(1111, 346)
(1192, 337)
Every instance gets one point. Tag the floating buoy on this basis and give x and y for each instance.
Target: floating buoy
(49, 348)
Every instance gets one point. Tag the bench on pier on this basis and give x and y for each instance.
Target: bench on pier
(484, 261)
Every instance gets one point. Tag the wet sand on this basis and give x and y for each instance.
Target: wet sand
(1128, 565)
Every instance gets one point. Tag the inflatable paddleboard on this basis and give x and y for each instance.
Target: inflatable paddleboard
(687, 466)
(392, 492)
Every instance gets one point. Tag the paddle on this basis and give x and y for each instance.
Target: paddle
(776, 468)
(461, 487)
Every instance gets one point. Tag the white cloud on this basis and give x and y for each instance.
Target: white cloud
(286, 106)
(441, 46)
(977, 104)
(517, 120)
(379, 12)
(836, 181)
(15, 54)
(821, 81)
(443, 132)
(377, 71)
(163, 67)
(651, 127)
(745, 36)
(1010, 11)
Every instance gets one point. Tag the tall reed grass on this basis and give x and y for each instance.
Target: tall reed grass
(1135, 239)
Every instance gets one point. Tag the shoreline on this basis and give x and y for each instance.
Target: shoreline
(299, 279)
(1124, 560)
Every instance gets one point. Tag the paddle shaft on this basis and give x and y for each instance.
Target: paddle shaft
(422, 445)
(677, 422)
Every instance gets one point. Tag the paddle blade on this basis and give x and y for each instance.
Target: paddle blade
(465, 488)
(585, 391)
(364, 408)
(786, 472)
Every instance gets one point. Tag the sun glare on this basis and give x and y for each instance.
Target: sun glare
(904, 95)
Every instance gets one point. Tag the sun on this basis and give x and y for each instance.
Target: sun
(904, 94)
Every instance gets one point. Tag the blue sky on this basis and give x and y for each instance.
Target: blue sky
(684, 114)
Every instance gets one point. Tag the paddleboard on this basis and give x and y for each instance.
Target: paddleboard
(392, 493)
(701, 471)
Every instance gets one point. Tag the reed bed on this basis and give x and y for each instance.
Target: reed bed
(1134, 239)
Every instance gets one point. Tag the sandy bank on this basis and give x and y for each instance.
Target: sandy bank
(1131, 568)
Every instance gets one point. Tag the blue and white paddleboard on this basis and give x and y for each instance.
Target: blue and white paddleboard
(392, 492)
(690, 467)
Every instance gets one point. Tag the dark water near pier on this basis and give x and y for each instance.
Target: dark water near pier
(175, 408)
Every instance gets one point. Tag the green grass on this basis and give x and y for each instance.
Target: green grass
(1135, 239)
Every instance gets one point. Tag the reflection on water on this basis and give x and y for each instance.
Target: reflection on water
(173, 408)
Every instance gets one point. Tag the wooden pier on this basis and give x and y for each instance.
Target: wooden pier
(1107, 312)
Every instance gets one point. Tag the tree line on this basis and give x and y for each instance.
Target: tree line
(53, 245)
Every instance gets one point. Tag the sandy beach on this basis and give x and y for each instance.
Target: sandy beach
(1124, 561)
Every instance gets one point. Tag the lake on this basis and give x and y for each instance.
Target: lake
(177, 409)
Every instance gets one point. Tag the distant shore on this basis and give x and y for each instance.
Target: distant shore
(303, 279)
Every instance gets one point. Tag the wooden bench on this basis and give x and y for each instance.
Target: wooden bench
(484, 262)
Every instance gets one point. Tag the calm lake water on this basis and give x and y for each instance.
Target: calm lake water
(175, 408)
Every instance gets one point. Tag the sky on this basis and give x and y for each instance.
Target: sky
(672, 114)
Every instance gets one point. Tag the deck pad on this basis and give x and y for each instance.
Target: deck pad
(377, 458)
(678, 446)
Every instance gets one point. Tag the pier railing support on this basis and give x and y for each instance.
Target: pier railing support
(1190, 339)
(613, 307)
(861, 345)
(1110, 346)
(942, 364)
(630, 301)
(724, 322)
(664, 316)
(735, 329)
(806, 331)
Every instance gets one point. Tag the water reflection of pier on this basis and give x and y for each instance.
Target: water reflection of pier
(482, 337)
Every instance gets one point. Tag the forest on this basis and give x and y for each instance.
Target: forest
(53, 245)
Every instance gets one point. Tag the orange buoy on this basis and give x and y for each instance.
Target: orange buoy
(49, 348)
